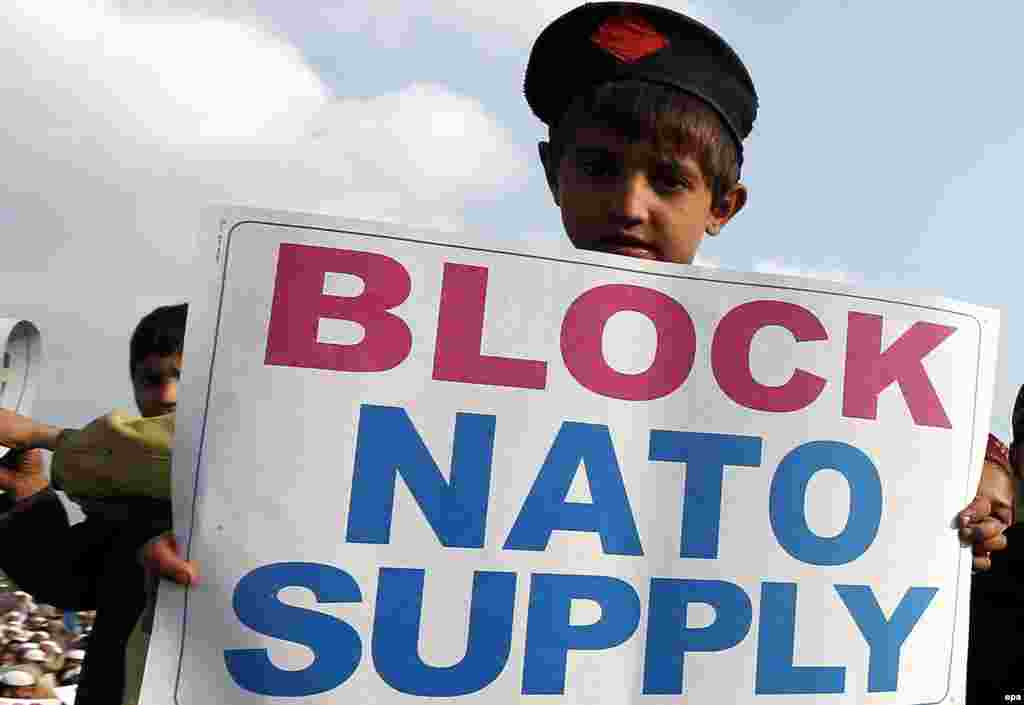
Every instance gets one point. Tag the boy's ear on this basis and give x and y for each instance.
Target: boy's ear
(550, 168)
(726, 209)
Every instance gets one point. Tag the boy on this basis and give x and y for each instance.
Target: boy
(645, 148)
(647, 111)
(118, 468)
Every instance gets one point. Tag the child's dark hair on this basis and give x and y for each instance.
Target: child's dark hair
(1017, 424)
(161, 331)
(675, 120)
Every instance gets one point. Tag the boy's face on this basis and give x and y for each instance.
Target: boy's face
(624, 196)
(155, 382)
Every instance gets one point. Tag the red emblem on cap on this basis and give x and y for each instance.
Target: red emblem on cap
(628, 38)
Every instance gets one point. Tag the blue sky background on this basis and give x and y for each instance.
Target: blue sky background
(884, 153)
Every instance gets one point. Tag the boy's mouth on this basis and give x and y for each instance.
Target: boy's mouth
(627, 246)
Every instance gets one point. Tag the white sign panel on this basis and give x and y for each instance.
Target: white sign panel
(20, 363)
(413, 471)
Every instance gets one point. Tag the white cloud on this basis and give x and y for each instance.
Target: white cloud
(830, 272)
(86, 68)
(434, 141)
(141, 120)
(119, 126)
(494, 25)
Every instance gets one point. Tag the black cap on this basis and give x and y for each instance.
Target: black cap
(607, 41)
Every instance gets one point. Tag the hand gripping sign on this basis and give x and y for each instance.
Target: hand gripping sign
(20, 362)
(418, 471)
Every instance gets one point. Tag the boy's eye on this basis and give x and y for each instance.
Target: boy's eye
(671, 178)
(157, 380)
(594, 167)
(594, 164)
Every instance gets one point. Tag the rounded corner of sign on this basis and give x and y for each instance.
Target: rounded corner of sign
(228, 229)
(235, 225)
(985, 320)
(980, 323)
(232, 223)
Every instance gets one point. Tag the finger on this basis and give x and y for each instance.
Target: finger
(29, 461)
(982, 531)
(997, 543)
(979, 508)
(988, 528)
(22, 472)
(171, 565)
(162, 557)
(982, 563)
(183, 574)
(176, 569)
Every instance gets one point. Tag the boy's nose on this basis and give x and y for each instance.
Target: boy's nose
(168, 393)
(633, 199)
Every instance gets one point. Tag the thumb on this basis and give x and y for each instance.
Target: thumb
(979, 508)
(161, 556)
(22, 471)
(29, 462)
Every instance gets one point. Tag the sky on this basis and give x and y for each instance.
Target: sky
(884, 154)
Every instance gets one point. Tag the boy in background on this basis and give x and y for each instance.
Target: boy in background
(118, 470)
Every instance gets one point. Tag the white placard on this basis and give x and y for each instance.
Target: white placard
(417, 471)
(21, 359)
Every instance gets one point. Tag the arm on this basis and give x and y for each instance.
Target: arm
(22, 475)
(21, 433)
(116, 455)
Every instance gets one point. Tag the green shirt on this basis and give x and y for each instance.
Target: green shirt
(117, 455)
